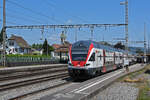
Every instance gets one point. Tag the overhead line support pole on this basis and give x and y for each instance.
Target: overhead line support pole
(4, 35)
(144, 42)
(126, 22)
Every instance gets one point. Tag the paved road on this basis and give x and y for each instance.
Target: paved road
(86, 89)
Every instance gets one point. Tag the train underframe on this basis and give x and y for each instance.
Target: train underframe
(84, 73)
(78, 73)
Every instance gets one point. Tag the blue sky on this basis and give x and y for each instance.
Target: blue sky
(37, 12)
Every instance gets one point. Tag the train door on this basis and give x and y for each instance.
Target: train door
(101, 60)
(104, 62)
(96, 58)
(93, 59)
(114, 56)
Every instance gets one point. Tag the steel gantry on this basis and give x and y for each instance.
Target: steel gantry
(64, 26)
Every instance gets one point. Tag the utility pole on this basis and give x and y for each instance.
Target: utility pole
(92, 30)
(126, 22)
(103, 38)
(145, 42)
(75, 35)
(126, 27)
(148, 47)
(4, 35)
(47, 48)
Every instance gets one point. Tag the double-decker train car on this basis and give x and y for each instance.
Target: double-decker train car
(89, 58)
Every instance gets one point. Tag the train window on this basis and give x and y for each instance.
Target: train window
(79, 57)
(92, 58)
(100, 56)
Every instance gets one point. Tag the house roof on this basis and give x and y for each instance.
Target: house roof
(56, 46)
(66, 43)
(20, 41)
(61, 47)
(65, 50)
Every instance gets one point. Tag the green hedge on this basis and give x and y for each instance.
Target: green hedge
(28, 58)
(26, 55)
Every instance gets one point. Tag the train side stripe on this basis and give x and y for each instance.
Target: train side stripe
(90, 49)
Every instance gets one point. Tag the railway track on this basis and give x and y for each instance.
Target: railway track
(13, 85)
(23, 79)
(17, 75)
(20, 97)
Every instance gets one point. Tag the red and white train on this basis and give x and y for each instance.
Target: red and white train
(89, 58)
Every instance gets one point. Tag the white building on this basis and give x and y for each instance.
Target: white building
(17, 45)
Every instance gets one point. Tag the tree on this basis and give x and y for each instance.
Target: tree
(105, 43)
(37, 46)
(139, 51)
(51, 48)
(47, 49)
(119, 46)
(1, 36)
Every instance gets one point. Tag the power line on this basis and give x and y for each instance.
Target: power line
(9, 22)
(23, 18)
(30, 10)
(38, 19)
(77, 17)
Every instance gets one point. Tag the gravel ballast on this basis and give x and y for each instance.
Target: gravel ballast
(119, 91)
(5, 95)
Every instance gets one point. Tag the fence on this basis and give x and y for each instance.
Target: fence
(24, 61)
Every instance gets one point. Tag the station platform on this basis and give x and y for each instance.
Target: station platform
(28, 68)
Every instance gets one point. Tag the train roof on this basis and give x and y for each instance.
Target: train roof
(87, 44)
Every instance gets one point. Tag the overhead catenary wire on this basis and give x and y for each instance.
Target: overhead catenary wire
(23, 18)
(66, 12)
(65, 26)
(9, 22)
(35, 12)
(21, 13)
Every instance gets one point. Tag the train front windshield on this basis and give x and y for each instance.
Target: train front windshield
(79, 55)
(79, 51)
